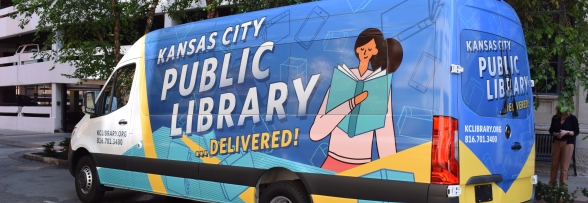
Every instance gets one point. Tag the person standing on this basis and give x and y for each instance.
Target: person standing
(564, 127)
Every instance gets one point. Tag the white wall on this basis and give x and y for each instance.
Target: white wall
(27, 123)
(30, 74)
(9, 109)
(8, 59)
(36, 109)
(36, 124)
(8, 75)
(9, 27)
(8, 122)
(34, 73)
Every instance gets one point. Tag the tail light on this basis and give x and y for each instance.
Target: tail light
(444, 165)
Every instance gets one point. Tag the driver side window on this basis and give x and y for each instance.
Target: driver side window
(105, 98)
(117, 91)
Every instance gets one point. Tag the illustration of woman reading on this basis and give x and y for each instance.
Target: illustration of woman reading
(358, 105)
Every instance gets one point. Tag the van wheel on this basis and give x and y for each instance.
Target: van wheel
(86, 179)
(284, 192)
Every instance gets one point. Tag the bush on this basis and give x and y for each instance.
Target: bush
(64, 147)
(557, 193)
(48, 149)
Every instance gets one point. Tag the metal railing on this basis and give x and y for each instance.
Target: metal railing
(543, 144)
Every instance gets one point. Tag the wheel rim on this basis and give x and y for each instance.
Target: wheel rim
(280, 199)
(85, 179)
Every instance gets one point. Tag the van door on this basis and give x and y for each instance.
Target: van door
(111, 126)
(496, 122)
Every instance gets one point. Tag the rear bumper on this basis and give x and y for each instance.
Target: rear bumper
(443, 200)
(532, 196)
(438, 193)
(380, 190)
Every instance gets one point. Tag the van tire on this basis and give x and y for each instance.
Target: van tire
(285, 190)
(86, 181)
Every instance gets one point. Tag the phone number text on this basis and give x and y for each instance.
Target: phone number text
(109, 141)
(481, 139)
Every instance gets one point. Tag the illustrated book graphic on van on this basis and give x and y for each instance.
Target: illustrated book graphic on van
(346, 85)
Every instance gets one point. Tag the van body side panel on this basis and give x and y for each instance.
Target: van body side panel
(341, 93)
(222, 97)
(144, 181)
(497, 138)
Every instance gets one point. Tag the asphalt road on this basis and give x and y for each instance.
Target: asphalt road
(24, 181)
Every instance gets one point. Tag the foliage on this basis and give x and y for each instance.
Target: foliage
(86, 33)
(48, 149)
(237, 6)
(64, 145)
(242, 6)
(557, 193)
(556, 28)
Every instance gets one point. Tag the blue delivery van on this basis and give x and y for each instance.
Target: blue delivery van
(328, 101)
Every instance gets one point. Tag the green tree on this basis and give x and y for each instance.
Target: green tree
(237, 6)
(556, 28)
(242, 6)
(89, 32)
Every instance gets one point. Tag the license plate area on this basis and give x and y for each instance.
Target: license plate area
(483, 193)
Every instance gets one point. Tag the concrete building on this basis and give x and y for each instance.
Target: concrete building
(35, 98)
(31, 96)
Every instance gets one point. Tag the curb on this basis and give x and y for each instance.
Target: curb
(49, 160)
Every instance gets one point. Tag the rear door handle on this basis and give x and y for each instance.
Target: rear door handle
(516, 146)
(122, 122)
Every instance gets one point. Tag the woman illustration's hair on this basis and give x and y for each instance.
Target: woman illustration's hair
(389, 50)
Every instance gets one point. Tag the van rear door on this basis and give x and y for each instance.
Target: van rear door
(495, 98)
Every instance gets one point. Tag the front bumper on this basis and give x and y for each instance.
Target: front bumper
(70, 164)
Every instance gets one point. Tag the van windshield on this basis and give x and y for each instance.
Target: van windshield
(496, 80)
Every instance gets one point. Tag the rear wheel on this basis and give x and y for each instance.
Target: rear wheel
(86, 179)
(284, 192)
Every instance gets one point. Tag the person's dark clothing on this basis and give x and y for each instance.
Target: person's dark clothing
(570, 124)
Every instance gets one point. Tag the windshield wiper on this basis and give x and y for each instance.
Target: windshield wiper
(504, 110)
(508, 89)
(515, 113)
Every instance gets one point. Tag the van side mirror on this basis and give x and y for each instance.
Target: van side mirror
(89, 103)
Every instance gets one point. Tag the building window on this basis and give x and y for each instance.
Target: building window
(552, 85)
(38, 95)
(26, 95)
(556, 64)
